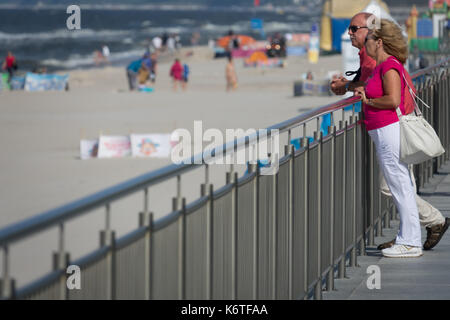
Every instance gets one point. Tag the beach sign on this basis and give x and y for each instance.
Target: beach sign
(150, 145)
(114, 147)
(45, 82)
(4, 85)
(88, 149)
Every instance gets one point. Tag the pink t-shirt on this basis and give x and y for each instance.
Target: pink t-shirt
(378, 118)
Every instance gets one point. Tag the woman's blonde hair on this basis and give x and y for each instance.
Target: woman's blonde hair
(394, 43)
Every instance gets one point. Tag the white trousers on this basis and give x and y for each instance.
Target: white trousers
(396, 173)
(429, 216)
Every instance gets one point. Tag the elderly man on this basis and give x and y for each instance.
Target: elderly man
(430, 217)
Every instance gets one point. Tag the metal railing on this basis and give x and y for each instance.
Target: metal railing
(284, 236)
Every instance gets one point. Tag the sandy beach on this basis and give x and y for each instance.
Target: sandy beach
(40, 134)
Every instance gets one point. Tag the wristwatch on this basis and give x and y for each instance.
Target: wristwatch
(347, 85)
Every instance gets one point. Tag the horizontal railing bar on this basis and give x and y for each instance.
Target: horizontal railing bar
(166, 220)
(327, 138)
(284, 159)
(197, 204)
(222, 191)
(427, 70)
(39, 284)
(299, 152)
(92, 257)
(131, 237)
(17, 231)
(246, 179)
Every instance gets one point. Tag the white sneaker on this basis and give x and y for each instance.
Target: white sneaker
(402, 251)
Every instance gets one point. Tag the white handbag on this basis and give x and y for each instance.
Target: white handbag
(418, 140)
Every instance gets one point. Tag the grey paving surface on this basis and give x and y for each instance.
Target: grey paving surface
(427, 277)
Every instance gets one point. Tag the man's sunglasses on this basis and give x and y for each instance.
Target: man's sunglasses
(355, 28)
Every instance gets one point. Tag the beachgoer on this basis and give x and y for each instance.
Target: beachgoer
(164, 39)
(176, 72)
(382, 94)
(230, 74)
(132, 73)
(153, 69)
(171, 44)
(10, 65)
(185, 75)
(157, 42)
(143, 74)
(430, 217)
(106, 53)
(145, 69)
(177, 42)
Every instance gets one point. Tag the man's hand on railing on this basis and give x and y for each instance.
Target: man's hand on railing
(360, 92)
(338, 86)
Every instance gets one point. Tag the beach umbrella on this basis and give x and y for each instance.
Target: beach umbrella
(243, 40)
(257, 56)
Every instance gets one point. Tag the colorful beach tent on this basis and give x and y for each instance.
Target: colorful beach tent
(336, 17)
(257, 56)
(243, 40)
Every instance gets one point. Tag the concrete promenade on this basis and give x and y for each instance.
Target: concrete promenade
(427, 277)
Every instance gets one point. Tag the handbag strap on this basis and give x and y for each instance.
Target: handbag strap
(413, 95)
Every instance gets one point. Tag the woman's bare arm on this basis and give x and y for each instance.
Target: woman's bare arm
(392, 91)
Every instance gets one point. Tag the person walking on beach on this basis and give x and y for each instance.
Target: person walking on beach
(157, 42)
(153, 69)
(106, 53)
(132, 74)
(230, 75)
(10, 65)
(185, 76)
(430, 217)
(176, 72)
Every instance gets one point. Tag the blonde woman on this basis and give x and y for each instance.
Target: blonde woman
(382, 94)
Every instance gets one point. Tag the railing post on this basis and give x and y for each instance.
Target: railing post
(60, 262)
(107, 238)
(372, 193)
(182, 252)
(206, 189)
(146, 220)
(318, 287)
(274, 233)
(7, 284)
(364, 164)
(291, 152)
(387, 217)
(254, 168)
(342, 263)
(305, 144)
(178, 192)
(330, 277)
(233, 179)
(353, 257)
